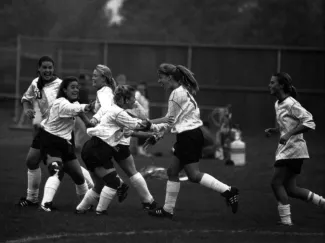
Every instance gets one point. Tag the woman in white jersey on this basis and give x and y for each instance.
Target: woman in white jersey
(292, 121)
(57, 149)
(43, 91)
(189, 138)
(107, 142)
(104, 83)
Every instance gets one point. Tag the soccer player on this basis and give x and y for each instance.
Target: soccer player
(42, 91)
(107, 143)
(292, 121)
(189, 139)
(57, 147)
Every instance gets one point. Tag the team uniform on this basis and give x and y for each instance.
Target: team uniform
(44, 100)
(289, 114)
(111, 131)
(188, 149)
(107, 142)
(189, 137)
(56, 141)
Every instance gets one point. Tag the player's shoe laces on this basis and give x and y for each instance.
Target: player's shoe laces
(160, 213)
(47, 207)
(122, 192)
(232, 198)
(23, 202)
(149, 206)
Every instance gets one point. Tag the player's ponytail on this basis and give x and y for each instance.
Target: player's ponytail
(122, 93)
(285, 80)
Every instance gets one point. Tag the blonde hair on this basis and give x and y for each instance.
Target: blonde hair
(107, 73)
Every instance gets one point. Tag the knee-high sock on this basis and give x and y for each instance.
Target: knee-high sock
(172, 190)
(81, 190)
(284, 213)
(316, 199)
(51, 186)
(212, 183)
(140, 185)
(106, 196)
(33, 182)
(90, 198)
(87, 177)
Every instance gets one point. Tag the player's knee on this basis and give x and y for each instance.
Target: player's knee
(111, 180)
(32, 161)
(56, 168)
(276, 182)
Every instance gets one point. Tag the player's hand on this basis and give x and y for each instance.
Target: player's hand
(127, 133)
(268, 132)
(171, 120)
(93, 121)
(284, 139)
(30, 113)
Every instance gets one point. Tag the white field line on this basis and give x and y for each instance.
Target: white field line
(152, 232)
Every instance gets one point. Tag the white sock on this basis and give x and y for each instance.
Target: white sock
(51, 186)
(87, 177)
(140, 185)
(91, 198)
(106, 196)
(212, 183)
(284, 213)
(33, 182)
(81, 190)
(316, 199)
(172, 190)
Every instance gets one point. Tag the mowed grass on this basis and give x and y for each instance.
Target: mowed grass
(201, 214)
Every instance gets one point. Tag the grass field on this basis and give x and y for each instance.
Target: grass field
(201, 215)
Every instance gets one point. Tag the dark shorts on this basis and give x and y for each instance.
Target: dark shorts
(36, 143)
(122, 152)
(55, 146)
(293, 164)
(189, 145)
(96, 153)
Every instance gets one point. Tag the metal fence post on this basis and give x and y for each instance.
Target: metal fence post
(105, 53)
(189, 57)
(59, 60)
(17, 88)
(278, 60)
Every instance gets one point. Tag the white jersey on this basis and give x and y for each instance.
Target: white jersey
(61, 119)
(183, 107)
(290, 114)
(114, 122)
(49, 93)
(104, 100)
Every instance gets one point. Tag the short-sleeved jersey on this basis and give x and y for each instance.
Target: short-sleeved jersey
(104, 99)
(183, 107)
(61, 119)
(49, 93)
(112, 125)
(290, 114)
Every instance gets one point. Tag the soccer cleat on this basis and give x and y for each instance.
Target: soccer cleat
(122, 192)
(47, 207)
(83, 211)
(160, 213)
(149, 206)
(23, 202)
(232, 198)
(280, 223)
(99, 213)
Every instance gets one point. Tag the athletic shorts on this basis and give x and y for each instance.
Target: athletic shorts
(55, 146)
(122, 152)
(189, 145)
(96, 153)
(293, 164)
(36, 143)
